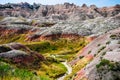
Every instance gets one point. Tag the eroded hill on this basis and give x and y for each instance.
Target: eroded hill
(36, 39)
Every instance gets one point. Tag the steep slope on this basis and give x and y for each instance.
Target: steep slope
(20, 55)
(58, 12)
(73, 12)
(105, 62)
(63, 29)
(37, 38)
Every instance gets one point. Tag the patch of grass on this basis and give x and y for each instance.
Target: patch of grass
(78, 66)
(55, 47)
(42, 47)
(12, 38)
(52, 69)
(8, 72)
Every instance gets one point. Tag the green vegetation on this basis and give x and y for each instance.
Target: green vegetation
(101, 48)
(52, 69)
(89, 52)
(8, 72)
(103, 63)
(12, 38)
(49, 70)
(113, 36)
(54, 51)
(41, 47)
(94, 55)
(105, 66)
(81, 57)
(108, 42)
(103, 53)
(62, 48)
(57, 45)
(118, 42)
(78, 66)
(98, 44)
(110, 65)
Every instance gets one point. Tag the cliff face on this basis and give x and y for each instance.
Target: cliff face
(71, 11)
(58, 12)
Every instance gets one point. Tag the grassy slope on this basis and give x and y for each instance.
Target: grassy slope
(52, 68)
(9, 72)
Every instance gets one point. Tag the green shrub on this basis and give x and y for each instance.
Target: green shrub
(103, 53)
(98, 44)
(103, 47)
(108, 42)
(81, 57)
(103, 63)
(41, 47)
(89, 52)
(113, 36)
(118, 42)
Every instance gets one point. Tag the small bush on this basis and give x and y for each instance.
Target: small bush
(89, 52)
(103, 47)
(108, 42)
(94, 55)
(81, 57)
(103, 63)
(103, 53)
(113, 36)
(118, 42)
(98, 44)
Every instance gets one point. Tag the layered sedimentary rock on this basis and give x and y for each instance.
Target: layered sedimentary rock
(63, 29)
(105, 53)
(59, 11)
(20, 55)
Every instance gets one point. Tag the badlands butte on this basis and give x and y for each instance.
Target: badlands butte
(59, 42)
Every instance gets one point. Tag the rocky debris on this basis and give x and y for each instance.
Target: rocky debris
(105, 50)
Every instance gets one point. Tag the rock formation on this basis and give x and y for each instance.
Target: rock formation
(58, 12)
